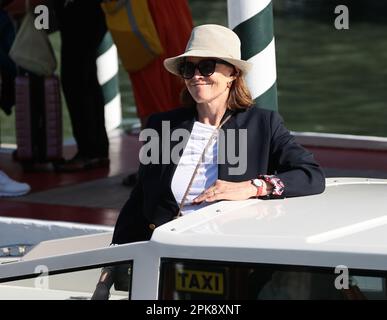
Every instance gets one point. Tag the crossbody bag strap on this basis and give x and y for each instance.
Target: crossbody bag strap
(198, 165)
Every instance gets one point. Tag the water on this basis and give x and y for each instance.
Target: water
(328, 80)
(332, 80)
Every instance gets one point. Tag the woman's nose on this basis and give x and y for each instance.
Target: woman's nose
(197, 73)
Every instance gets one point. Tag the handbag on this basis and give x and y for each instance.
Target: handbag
(32, 49)
(134, 33)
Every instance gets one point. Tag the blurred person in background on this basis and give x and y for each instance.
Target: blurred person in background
(8, 186)
(82, 27)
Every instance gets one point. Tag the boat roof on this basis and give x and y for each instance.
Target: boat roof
(350, 216)
(345, 225)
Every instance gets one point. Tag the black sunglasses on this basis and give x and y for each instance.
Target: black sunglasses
(206, 67)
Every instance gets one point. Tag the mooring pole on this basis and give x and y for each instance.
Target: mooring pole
(252, 20)
(107, 70)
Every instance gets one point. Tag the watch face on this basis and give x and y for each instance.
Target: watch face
(257, 182)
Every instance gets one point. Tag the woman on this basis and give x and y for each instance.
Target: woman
(216, 99)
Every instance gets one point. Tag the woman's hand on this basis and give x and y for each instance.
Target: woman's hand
(225, 190)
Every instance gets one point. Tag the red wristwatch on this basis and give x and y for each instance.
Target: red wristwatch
(258, 183)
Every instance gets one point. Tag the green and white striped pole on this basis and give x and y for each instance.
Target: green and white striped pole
(107, 70)
(252, 21)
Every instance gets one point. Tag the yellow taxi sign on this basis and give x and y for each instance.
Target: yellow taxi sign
(200, 281)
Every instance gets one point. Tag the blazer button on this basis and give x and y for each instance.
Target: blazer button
(152, 226)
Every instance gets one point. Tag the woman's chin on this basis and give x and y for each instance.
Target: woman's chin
(201, 101)
(200, 98)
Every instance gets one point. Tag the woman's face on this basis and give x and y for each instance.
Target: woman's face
(207, 89)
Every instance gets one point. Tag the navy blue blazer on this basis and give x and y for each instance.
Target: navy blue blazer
(271, 149)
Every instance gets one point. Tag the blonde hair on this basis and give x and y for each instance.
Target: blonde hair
(238, 98)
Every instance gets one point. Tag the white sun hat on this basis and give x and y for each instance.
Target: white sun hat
(211, 40)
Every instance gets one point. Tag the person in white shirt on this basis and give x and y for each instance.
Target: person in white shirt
(216, 102)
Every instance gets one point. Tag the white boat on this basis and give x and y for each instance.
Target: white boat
(327, 246)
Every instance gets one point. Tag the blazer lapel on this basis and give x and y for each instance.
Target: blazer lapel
(223, 164)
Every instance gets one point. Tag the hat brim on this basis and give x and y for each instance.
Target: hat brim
(172, 64)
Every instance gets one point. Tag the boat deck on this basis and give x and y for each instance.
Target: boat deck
(96, 196)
